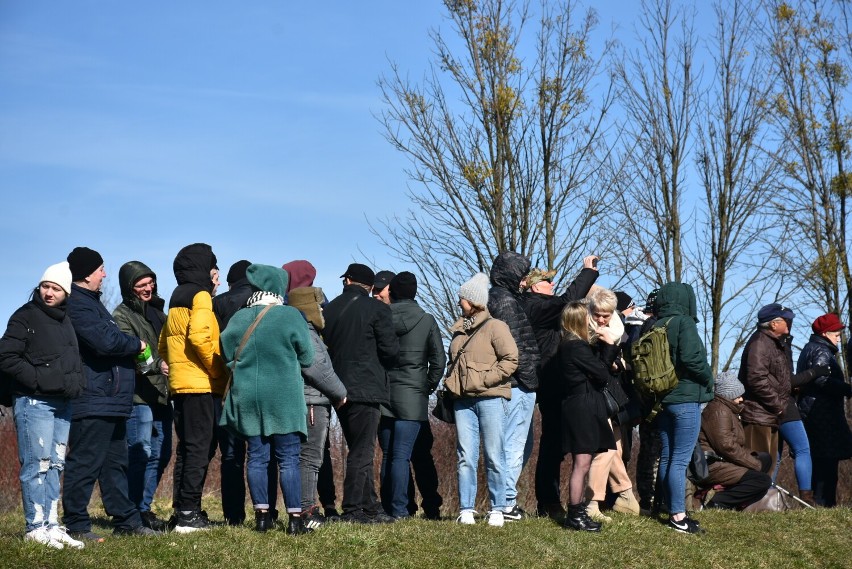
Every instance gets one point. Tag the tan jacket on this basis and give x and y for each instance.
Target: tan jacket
(489, 359)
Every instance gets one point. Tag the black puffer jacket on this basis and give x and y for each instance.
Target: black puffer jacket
(362, 344)
(505, 303)
(821, 402)
(39, 352)
(144, 320)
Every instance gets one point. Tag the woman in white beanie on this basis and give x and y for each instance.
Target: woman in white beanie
(41, 363)
(483, 355)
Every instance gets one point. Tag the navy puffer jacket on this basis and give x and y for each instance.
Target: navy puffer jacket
(505, 303)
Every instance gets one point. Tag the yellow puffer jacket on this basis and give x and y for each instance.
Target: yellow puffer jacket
(189, 343)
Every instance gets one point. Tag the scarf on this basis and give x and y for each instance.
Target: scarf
(262, 298)
(468, 322)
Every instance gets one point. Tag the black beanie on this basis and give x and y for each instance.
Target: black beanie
(237, 272)
(403, 286)
(83, 262)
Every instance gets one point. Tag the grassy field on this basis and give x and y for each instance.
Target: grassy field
(799, 538)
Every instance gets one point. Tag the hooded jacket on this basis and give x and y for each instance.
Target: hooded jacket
(144, 320)
(420, 365)
(189, 342)
(108, 354)
(505, 303)
(39, 352)
(676, 306)
(267, 393)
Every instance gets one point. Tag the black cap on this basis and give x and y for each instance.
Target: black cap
(83, 262)
(356, 272)
(772, 311)
(403, 286)
(624, 301)
(383, 279)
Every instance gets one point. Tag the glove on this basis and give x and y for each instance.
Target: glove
(820, 371)
(765, 460)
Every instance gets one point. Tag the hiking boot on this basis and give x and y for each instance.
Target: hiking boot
(626, 503)
(593, 511)
(150, 520)
(686, 525)
(578, 519)
(514, 514)
(807, 497)
(85, 536)
(466, 518)
(42, 535)
(191, 522)
(263, 521)
(495, 518)
(297, 526)
(140, 530)
(312, 518)
(60, 534)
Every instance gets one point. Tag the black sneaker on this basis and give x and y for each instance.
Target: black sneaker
(140, 530)
(686, 525)
(381, 517)
(150, 520)
(87, 536)
(331, 514)
(191, 522)
(312, 518)
(515, 514)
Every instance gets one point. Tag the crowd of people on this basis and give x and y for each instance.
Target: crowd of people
(257, 371)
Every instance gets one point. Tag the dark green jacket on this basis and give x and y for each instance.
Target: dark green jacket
(420, 365)
(143, 320)
(676, 306)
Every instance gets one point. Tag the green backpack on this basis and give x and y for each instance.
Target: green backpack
(654, 375)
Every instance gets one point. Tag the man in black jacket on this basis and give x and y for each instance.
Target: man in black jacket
(362, 344)
(544, 310)
(504, 303)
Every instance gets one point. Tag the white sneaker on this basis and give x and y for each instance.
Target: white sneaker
(42, 535)
(466, 518)
(60, 534)
(495, 518)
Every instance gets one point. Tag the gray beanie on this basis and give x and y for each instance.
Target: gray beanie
(728, 385)
(475, 290)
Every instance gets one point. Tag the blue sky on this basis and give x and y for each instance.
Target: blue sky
(138, 128)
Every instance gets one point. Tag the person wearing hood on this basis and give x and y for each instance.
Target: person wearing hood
(680, 418)
(739, 470)
(544, 310)
(416, 375)
(40, 360)
(266, 345)
(98, 438)
(821, 404)
(506, 303)
(149, 428)
(189, 344)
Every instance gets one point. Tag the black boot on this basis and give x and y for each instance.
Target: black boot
(578, 519)
(296, 526)
(263, 521)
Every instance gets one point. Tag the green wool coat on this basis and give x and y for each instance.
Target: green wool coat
(267, 393)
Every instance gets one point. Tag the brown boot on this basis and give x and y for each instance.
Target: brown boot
(626, 503)
(807, 496)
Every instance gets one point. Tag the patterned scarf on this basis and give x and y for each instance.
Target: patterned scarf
(468, 322)
(262, 298)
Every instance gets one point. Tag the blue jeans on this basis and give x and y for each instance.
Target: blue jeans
(793, 433)
(396, 438)
(518, 444)
(149, 449)
(42, 424)
(679, 426)
(287, 448)
(481, 417)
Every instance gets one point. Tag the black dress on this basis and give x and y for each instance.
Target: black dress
(585, 428)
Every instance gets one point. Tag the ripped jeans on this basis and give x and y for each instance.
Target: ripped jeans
(42, 424)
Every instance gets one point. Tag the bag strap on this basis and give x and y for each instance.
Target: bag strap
(452, 364)
(244, 341)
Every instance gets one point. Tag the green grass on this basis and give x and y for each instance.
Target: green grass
(799, 538)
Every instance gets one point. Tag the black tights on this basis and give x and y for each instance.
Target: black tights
(581, 463)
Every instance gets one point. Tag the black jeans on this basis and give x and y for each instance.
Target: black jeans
(360, 423)
(194, 427)
(823, 481)
(750, 488)
(97, 451)
(425, 474)
(550, 456)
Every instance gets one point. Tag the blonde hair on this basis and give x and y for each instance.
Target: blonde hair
(603, 300)
(575, 320)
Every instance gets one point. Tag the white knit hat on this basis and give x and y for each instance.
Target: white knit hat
(475, 290)
(60, 273)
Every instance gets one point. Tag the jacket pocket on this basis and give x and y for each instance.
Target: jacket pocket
(49, 375)
(476, 377)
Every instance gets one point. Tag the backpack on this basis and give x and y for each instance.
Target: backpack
(654, 374)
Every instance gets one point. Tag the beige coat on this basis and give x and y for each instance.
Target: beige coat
(488, 360)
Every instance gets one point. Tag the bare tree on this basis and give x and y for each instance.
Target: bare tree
(738, 178)
(505, 154)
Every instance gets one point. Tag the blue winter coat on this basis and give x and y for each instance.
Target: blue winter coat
(108, 354)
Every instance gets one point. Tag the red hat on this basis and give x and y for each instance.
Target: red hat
(827, 323)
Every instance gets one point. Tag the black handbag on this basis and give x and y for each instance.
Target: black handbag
(610, 403)
(443, 409)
